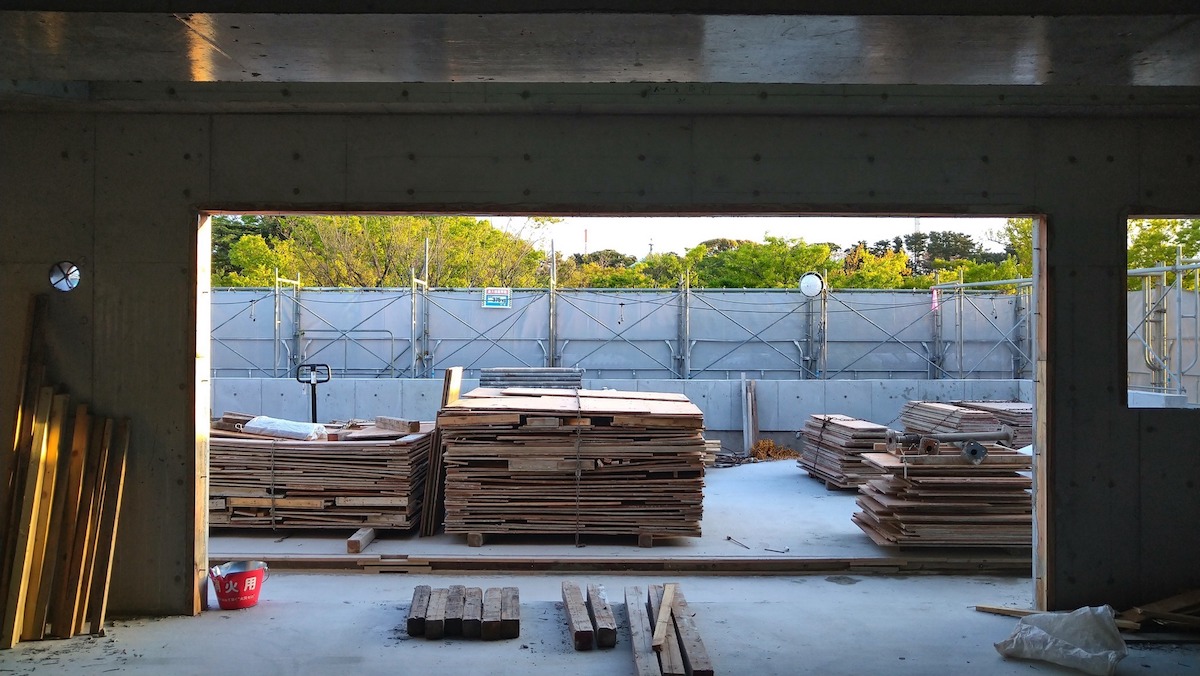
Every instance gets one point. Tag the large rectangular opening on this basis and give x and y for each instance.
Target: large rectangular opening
(910, 309)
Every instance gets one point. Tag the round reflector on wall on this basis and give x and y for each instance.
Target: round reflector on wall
(64, 276)
(811, 284)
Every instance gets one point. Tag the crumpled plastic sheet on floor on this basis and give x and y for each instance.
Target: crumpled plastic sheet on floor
(1086, 639)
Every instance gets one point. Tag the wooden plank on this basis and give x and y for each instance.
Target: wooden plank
(510, 612)
(360, 540)
(60, 614)
(418, 609)
(603, 621)
(435, 617)
(640, 633)
(695, 656)
(670, 659)
(29, 381)
(278, 503)
(663, 616)
(493, 599)
(578, 622)
(14, 604)
(89, 522)
(114, 487)
(472, 620)
(548, 465)
(362, 501)
(455, 604)
(49, 524)
(397, 424)
(1126, 625)
(452, 385)
(1171, 604)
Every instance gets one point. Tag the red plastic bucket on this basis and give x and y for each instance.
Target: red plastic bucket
(238, 583)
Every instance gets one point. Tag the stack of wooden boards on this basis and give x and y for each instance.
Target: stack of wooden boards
(572, 461)
(1017, 415)
(469, 612)
(833, 446)
(374, 476)
(60, 508)
(944, 500)
(935, 417)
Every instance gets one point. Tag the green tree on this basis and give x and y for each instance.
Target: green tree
(228, 229)
(664, 270)
(607, 258)
(776, 263)
(1155, 241)
(862, 269)
(251, 262)
(1017, 238)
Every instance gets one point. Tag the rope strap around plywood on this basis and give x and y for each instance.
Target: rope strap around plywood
(578, 461)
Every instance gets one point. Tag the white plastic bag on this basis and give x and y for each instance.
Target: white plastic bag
(288, 429)
(1086, 639)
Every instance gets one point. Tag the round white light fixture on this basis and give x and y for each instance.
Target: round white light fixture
(64, 276)
(811, 284)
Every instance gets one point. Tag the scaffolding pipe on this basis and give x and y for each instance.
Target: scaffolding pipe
(552, 326)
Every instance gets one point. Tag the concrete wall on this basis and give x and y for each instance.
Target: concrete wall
(119, 194)
(783, 405)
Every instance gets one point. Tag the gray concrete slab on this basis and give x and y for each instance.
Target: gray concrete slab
(836, 625)
(766, 504)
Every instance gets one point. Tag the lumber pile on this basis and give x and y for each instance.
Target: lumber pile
(60, 508)
(935, 417)
(572, 461)
(943, 500)
(833, 446)
(1016, 414)
(375, 480)
(467, 612)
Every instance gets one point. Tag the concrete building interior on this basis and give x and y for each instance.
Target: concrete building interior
(123, 130)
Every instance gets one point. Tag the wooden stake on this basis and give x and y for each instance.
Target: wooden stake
(114, 484)
(14, 604)
(101, 445)
(41, 570)
(664, 617)
(61, 605)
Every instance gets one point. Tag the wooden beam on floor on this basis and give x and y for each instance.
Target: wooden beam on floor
(695, 656)
(603, 621)
(578, 622)
(417, 610)
(360, 540)
(670, 659)
(640, 633)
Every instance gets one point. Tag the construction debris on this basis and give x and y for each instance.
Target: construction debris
(467, 612)
(765, 449)
(525, 460)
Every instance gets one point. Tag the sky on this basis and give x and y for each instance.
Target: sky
(635, 235)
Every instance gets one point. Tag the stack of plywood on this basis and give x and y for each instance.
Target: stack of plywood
(1016, 414)
(280, 483)
(572, 461)
(59, 508)
(945, 501)
(926, 417)
(833, 445)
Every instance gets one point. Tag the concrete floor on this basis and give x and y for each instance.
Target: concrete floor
(828, 624)
(766, 504)
(342, 623)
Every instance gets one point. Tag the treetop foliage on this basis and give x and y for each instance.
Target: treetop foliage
(464, 252)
